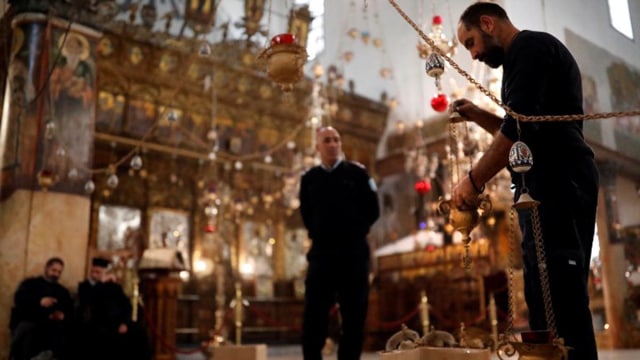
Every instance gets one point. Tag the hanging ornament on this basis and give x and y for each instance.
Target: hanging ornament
(434, 66)
(521, 161)
(353, 33)
(209, 228)
(61, 152)
(318, 70)
(377, 42)
(347, 56)
(439, 102)
(422, 186)
(89, 187)
(205, 49)
(112, 181)
(50, 130)
(447, 47)
(211, 210)
(385, 73)
(285, 58)
(136, 162)
(212, 134)
(45, 179)
(366, 36)
(393, 103)
(520, 157)
(72, 174)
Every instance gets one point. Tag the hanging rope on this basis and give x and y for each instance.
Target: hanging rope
(393, 325)
(387, 325)
(493, 98)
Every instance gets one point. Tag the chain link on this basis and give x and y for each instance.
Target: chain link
(512, 249)
(493, 98)
(453, 146)
(543, 271)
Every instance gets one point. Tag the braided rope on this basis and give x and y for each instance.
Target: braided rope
(485, 91)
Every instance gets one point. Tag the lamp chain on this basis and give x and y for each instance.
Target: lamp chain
(543, 271)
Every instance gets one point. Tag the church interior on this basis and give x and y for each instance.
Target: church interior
(169, 137)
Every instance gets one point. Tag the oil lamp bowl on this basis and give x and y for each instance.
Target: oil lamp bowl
(284, 63)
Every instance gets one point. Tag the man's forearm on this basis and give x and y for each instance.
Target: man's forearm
(487, 120)
(493, 160)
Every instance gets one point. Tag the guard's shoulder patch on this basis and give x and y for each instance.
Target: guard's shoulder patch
(372, 185)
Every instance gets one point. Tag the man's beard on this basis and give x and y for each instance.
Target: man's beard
(493, 55)
(52, 279)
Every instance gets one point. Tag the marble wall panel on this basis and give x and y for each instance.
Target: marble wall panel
(35, 226)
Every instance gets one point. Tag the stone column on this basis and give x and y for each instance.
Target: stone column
(612, 256)
(46, 145)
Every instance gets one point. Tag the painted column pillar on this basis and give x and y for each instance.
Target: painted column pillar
(612, 257)
(46, 150)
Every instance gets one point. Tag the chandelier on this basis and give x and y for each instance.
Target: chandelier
(439, 38)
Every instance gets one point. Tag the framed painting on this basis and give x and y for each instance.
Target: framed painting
(170, 229)
(117, 226)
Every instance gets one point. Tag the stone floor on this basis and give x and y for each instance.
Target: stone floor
(293, 353)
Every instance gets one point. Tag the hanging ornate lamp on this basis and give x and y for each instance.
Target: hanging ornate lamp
(285, 58)
(434, 67)
(439, 38)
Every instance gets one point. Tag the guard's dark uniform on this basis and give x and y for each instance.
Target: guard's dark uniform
(338, 207)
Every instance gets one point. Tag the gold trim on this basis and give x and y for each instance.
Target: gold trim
(37, 17)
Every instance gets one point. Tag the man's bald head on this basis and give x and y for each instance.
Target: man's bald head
(329, 145)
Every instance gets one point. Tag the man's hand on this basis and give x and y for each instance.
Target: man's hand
(48, 301)
(464, 196)
(57, 316)
(469, 111)
(122, 329)
(465, 108)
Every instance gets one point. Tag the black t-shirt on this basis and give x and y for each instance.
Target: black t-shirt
(541, 77)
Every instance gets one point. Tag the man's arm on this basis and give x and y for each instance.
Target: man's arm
(66, 303)
(490, 122)
(371, 205)
(494, 159)
(305, 203)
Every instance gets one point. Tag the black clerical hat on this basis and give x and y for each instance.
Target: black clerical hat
(100, 262)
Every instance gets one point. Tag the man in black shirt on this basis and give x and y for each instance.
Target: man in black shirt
(42, 315)
(540, 77)
(338, 203)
